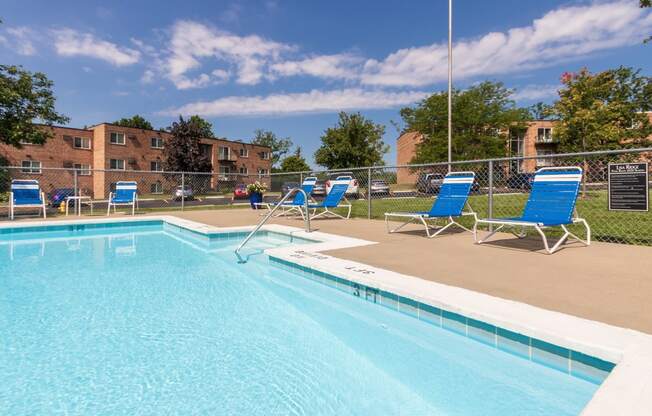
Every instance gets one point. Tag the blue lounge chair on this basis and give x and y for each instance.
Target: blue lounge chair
(25, 193)
(298, 202)
(450, 203)
(126, 193)
(551, 204)
(334, 199)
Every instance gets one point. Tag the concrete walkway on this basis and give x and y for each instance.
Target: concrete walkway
(604, 282)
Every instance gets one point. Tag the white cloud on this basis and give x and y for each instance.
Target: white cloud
(20, 39)
(315, 101)
(535, 92)
(69, 42)
(343, 66)
(192, 41)
(562, 34)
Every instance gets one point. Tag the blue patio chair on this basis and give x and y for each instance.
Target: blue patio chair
(126, 194)
(453, 197)
(25, 193)
(298, 202)
(551, 204)
(334, 199)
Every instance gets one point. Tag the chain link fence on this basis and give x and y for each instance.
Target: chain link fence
(88, 190)
(501, 189)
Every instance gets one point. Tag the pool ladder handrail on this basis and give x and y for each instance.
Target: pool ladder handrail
(306, 218)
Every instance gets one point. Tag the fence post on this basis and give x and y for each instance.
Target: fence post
(490, 195)
(183, 190)
(76, 190)
(369, 193)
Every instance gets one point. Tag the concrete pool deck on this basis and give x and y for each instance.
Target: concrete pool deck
(610, 283)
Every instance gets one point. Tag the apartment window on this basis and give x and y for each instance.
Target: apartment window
(83, 170)
(243, 170)
(31, 166)
(543, 162)
(262, 171)
(544, 135)
(156, 165)
(265, 155)
(156, 142)
(224, 170)
(117, 138)
(244, 152)
(117, 164)
(81, 143)
(224, 153)
(156, 188)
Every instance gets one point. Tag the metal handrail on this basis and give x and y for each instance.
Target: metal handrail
(269, 215)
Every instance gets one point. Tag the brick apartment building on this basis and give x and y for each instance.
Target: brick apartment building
(105, 153)
(537, 139)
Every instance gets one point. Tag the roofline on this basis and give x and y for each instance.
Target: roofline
(61, 127)
(90, 128)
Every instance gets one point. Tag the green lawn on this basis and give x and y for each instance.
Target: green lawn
(610, 226)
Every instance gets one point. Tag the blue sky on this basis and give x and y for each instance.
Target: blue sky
(290, 66)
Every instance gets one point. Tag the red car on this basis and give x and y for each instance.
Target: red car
(240, 191)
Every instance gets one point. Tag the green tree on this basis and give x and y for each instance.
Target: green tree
(205, 126)
(136, 122)
(26, 98)
(540, 111)
(604, 110)
(279, 146)
(482, 117)
(644, 4)
(353, 142)
(183, 152)
(295, 162)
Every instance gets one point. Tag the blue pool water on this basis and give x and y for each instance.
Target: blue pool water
(150, 321)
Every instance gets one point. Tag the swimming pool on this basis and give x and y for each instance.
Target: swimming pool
(147, 318)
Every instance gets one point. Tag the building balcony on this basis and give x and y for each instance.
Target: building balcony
(546, 139)
(226, 157)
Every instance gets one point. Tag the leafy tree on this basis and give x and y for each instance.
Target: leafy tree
(183, 152)
(25, 98)
(540, 111)
(295, 162)
(279, 146)
(136, 122)
(205, 126)
(644, 4)
(482, 117)
(353, 142)
(604, 110)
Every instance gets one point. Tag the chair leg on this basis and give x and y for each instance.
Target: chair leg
(488, 236)
(412, 219)
(108, 209)
(45, 215)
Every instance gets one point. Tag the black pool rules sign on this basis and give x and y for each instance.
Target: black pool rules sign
(628, 187)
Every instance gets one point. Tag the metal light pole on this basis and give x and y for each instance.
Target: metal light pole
(450, 82)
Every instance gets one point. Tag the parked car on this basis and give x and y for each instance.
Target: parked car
(429, 183)
(379, 187)
(522, 181)
(319, 189)
(288, 186)
(58, 196)
(183, 192)
(352, 190)
(240, 191)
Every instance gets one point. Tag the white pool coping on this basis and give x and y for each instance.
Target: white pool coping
(626, 391)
